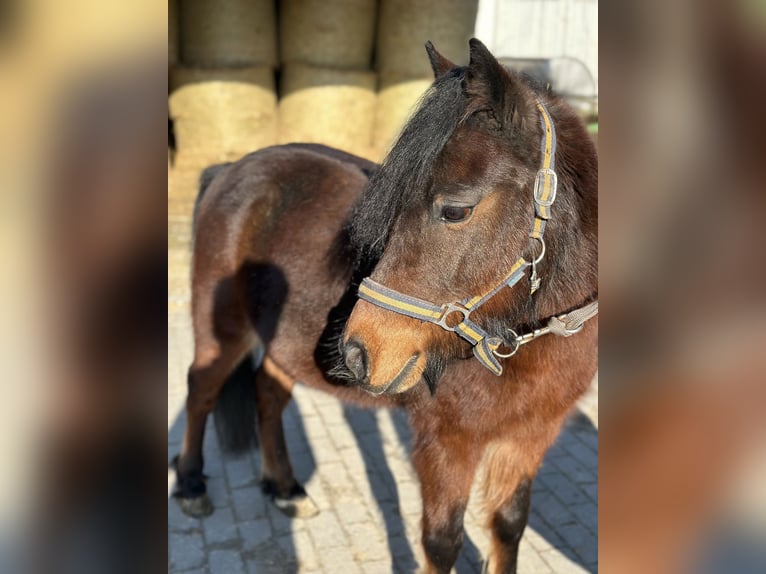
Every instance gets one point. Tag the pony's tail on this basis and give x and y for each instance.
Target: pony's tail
(235, 413)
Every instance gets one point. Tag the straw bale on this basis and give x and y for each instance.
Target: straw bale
(404, 26)
(229, 33)
(322, 105)
(331, 33)
(172, 32)
(397, 99)
(223, 113)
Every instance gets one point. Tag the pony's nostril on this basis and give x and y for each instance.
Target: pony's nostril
(356, 360)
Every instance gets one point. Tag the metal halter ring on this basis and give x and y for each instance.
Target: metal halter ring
(516, 344)
(447, 310)
(542, 252)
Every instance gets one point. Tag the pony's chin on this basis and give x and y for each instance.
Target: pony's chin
(409, 376)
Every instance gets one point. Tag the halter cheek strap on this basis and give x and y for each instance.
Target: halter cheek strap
(485, 348)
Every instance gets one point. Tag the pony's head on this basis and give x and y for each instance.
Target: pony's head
(449, 213)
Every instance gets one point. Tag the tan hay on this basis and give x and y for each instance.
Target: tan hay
(404, 27)
(228, 33)
(333, 107)
(223, 113)
(172, 32)
(397, 98)
(331, 33)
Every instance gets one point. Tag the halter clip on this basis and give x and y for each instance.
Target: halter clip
(540, 188)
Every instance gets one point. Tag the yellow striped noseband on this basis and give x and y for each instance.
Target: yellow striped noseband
(485, 348)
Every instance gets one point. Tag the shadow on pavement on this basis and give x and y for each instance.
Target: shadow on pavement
(564, 509)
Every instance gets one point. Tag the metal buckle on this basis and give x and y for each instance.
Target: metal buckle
(574, 331)
(540, 186)
(447, 310)
(516, 344)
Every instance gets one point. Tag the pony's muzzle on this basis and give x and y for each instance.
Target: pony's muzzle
(355, 358)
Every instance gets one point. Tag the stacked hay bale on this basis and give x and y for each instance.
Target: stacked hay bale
(222, 94)
(327, 87)
(223, 99)
(172, 32)
(221, 114)
(404, 72)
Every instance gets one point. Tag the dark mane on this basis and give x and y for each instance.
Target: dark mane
(403, 177)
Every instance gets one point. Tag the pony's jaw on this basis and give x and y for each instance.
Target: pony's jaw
(408, 376)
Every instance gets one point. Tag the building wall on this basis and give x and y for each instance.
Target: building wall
(541, 29)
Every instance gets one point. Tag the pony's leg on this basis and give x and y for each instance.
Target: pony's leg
(273, 391)
(446, 466)
(206, 377)
(510, 468)
(222, 337)
(507, 524)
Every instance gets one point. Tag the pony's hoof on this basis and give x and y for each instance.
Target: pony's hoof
(197, 507)
(299, 506)
(296, 504)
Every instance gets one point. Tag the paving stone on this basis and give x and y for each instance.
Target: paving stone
(577, 537)
(561, 564)
(326, 532)
(530, 561)
(305, 551)
(361, 420)
(591, 489)
(178, 521)
(383, 567)
(400, 546)
(248, 504)
(351, 513)
(367, 543)
(324, 451)
(220, 527)
(567, 492)
(281, 523)
(226, 562)
(587, 515)
(465, 566)
(218, 492)
(186, 551)
(240, 472)
(552, 510)
(339, 560)
(254, 533)
(537, 540)
(341, 436)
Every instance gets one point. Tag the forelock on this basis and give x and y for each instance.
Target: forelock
(406, 172)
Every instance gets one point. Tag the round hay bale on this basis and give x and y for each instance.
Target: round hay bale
(230, 33)
(404, 27)
(223, 113)
(331, 33)
(397, 99)
(172, 32)
(332, 107)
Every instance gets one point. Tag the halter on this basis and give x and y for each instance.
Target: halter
(485, 348)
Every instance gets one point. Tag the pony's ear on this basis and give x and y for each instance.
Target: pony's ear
(439, 64)
(490, 87)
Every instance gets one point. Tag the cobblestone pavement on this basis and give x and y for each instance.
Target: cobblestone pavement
(354, 464)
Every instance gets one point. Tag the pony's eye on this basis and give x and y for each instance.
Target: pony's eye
(454, 214)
